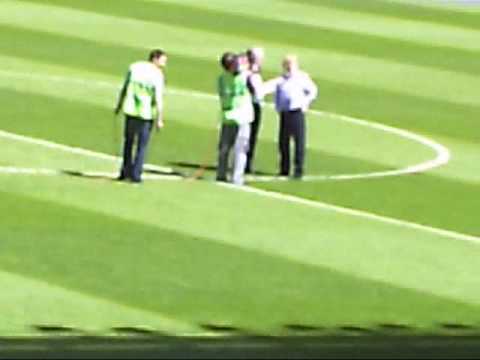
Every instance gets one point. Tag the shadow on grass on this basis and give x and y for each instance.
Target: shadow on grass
(114, 177)
(196, 166)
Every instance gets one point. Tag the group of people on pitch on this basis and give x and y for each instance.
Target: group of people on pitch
(241, 90)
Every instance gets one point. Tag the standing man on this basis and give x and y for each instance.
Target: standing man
(236, 116)
(255, 84)
(294, 92)
(142, 101)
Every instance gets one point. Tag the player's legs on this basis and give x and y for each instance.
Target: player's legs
(241, 149)
(284, 144)
(143, 132)
(129, 138)
(299, 137)
(255, 128)
(228, 134)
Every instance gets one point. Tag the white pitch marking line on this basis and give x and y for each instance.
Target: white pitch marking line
(442, 153)
(10, 170)
(356, 213)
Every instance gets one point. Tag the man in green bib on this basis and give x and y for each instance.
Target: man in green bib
(236, 116)
(141, 99)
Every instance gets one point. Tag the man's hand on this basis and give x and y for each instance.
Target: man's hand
(159, 124)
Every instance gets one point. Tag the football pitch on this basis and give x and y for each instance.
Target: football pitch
(384, 231)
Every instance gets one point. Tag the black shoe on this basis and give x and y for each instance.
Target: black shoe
(121, 178)
(298, 176)
(221, 179)
(136, 181)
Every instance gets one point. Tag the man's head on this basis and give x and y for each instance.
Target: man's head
(229, 62)
(290, 64)
(242, 62)
(158, 57)
(255, 56)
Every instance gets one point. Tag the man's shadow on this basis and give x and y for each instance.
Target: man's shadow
(113, 177)
(80, 174)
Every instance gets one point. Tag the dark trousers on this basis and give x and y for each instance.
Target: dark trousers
(257, 120)
(137, 133)
(292, 125)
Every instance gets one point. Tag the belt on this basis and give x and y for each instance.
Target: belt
(292, 111)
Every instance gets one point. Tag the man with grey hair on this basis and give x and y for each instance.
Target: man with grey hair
(255, 84)
(294, 92)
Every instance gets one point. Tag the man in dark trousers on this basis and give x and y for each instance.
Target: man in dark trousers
(141, 99)
(255, 84)
(294, 92)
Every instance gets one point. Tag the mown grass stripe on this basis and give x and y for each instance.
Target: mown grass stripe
(288, 33)
(423, 199)
(324, 235)
(189, 72)
(174, 278)
(250, 12)
(406, 79)
(322, 17)
(33, 301)
(354, 212)
(386, 106)
(407, 11)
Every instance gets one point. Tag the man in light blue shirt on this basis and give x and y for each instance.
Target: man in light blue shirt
(294, 92)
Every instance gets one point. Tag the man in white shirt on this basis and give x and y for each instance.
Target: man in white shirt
(141, 99)
(294, 92)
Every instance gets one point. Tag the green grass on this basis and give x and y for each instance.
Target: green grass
(416, 206)
(172, 255)
(449, 16)
(195, 278)
(287, 32)
(182, 40)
